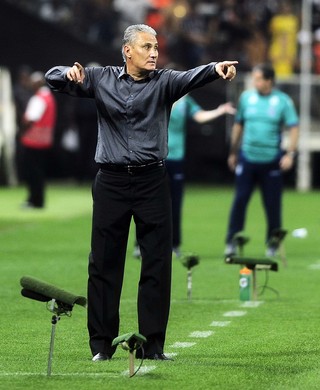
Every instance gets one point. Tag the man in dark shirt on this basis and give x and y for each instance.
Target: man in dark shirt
(133, 104)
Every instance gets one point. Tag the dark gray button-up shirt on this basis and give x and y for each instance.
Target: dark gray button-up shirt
(133, 115)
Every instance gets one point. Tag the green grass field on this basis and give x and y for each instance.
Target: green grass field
(218, 341)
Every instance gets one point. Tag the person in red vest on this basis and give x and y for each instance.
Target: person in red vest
(39, 122)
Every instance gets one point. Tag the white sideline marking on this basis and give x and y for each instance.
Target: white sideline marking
(171, 354)
(315, 266)
(182, 345)
(235, 313)
(145, 369)
(142, 371)
(251, 304)
(220, 323)
(82, 374)
(200, 334)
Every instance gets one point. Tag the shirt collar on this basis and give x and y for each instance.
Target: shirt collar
(124, 73)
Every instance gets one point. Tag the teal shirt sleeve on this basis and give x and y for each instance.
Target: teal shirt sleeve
(193, 107)
(290, 114)
(184, 109)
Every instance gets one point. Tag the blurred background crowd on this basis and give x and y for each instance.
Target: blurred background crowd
(190, 33)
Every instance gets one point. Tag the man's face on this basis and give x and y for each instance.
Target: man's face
(262, 85)
(143, 52)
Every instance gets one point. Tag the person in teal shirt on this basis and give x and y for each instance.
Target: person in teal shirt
(183, 110)
(256, 156)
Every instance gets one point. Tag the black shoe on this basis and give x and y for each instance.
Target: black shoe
(100, 357)
(158, 356)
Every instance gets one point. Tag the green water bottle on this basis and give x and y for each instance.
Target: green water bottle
(245, 284)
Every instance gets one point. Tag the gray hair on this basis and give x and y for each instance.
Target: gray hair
(130, 35)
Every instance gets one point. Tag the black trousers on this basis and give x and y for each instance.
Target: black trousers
(176, 173)
(268, 177)
(117, 197)
(34, 174)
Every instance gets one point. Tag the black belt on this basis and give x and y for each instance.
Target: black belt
(131, 169)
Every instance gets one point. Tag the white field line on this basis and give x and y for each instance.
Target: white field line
(71, 374)
(201, 334)
(220, 324)
(235, 313)
(251, 304)
(182, 345)
(142, 371)
(171, 354)
(315, 266)
(145, 369)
